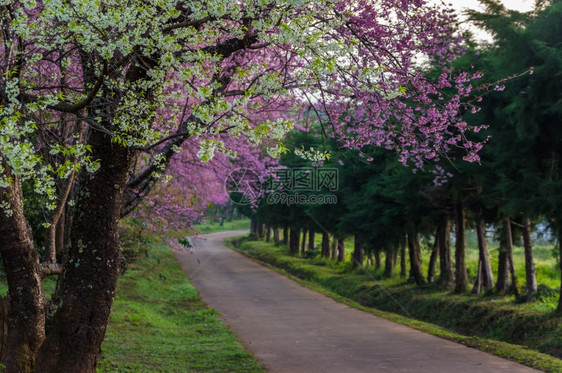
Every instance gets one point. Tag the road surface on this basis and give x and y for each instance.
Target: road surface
(292, 329)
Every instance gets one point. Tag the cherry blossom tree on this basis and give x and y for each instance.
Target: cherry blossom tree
(106, 95)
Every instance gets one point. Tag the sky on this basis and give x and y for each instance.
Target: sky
(461, 5)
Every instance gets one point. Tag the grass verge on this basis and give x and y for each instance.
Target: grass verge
(159, 324)
(233, 225)
(489, 324)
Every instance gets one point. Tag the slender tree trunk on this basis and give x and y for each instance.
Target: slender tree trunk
(60, 238)
(509, 245)
(340, 245)
(86, 288)
(478, 282)
(26, 313)
(286, 236)
(530, 273)
(325, 245)
(54, 218)
(311, 240)
(484, 256)
(276, 234)
(378, 261)
(334, 248)
(461, 276)
(268, 234)
(358, 256)
(403, 268)
(303, 244)
(502, 283)
(559, 309)
(388, 262)
(415, 257)
(433, 258)
(446, 276)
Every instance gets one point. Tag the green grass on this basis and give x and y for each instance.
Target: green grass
(212, 227)
(522, 332)
(159, 324)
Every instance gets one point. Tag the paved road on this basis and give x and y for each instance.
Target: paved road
(293, 329)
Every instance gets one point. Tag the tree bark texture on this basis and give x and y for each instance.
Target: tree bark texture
(530, 273)
(86, 288)
(446, 276)
(415, 257)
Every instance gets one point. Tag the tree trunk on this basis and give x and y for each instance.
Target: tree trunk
(340, 244)
(276, 234)
(311, 240)
(388, 262)
(530, 273)
(559, 309)
(26, 314)
(487, 277)
(402, 259)
(415, 257)
(334, 248)
(509, 245)
(378, 261)
(294, 240)
(268, 234)
(325, 245)
(478, 282)
(253, 225)
(461, 276)
(446, 276)
(286, 236)
(433, 258)
(86, 288)
(303, 244)
(358, 256)
(54, 219)
(502, 283)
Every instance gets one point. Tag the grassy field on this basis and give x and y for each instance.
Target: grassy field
(212, 227)
(159, 324)
(498, 324)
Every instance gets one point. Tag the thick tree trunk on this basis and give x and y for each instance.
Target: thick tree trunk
(340, 245)
(509, 245)
(276, 234)
(433, 258)
(446, 276)
(253, 225)
(530, 273)
(325, 245)
(294, 240)
(86, 288)
(478, 282)
(487, 277)
(311, 240)
(461, 276)
(388, 262)
(415, 257)
(26, 314)
(286, 236)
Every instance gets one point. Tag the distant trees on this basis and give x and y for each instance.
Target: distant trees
(517, 184)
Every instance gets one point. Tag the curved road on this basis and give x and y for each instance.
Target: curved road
(293, 329)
